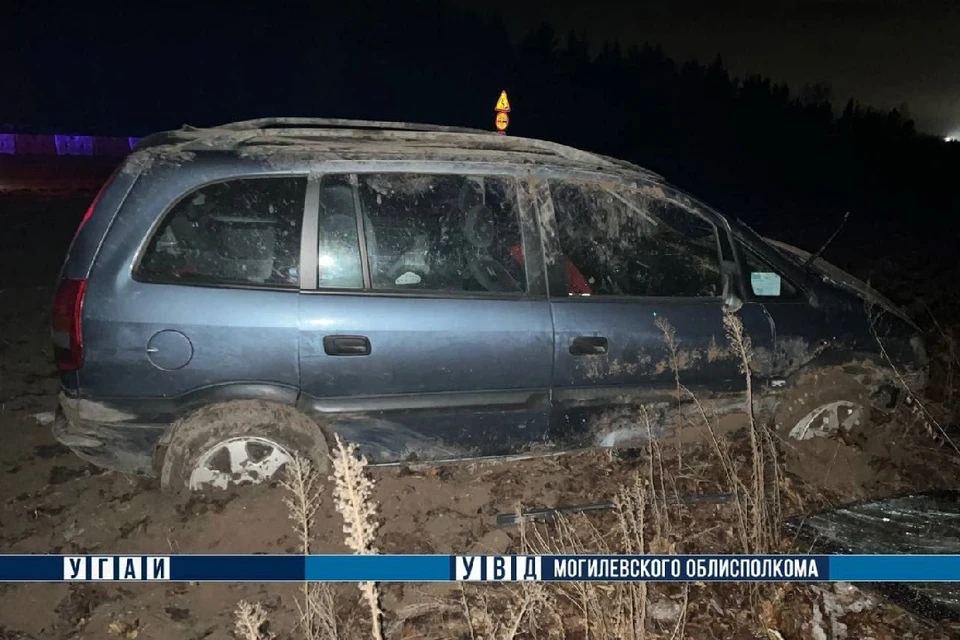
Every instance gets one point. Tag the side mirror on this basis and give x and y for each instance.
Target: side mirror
(731, 300)
(732, 303)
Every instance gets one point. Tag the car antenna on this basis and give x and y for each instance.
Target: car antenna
(826, 244)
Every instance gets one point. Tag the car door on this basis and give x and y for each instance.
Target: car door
(801, 331)
(425, 330)
(637, 288)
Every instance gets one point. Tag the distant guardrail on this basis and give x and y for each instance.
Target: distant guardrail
(27, 144)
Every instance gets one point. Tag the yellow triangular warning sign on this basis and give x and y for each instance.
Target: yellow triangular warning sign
(502, 103)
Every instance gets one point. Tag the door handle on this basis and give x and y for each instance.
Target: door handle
(588, 346)
(346, 345)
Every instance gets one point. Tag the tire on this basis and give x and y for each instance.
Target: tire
(821, 403)
(239, 442)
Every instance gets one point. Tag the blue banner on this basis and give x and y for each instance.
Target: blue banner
(925, 568)
(485, 568)
(646, 568)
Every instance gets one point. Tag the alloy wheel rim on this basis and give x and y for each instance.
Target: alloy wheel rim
(828, 419)
(237, 461)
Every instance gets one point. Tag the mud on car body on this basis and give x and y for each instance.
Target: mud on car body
(241, 293)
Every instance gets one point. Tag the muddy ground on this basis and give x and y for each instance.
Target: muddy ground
(52, 502)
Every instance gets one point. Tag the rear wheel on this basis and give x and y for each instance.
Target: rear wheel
(239, 442)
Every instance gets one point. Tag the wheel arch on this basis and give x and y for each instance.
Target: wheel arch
(861, 377)
(868, 368)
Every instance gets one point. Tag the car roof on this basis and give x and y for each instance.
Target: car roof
(338, 139)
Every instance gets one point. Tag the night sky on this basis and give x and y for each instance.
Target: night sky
(884, 52)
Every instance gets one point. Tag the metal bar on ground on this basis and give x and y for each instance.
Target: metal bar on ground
(548, 515)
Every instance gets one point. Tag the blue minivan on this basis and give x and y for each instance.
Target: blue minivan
(237, 295)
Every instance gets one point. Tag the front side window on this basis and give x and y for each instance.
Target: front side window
(238, 232)
(763, 280)
(450, 233)
(625, 242)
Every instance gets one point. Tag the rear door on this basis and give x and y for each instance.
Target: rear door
(637, 292)
(210, 312)
(425, 329)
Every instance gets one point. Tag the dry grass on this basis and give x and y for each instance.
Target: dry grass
(670, 339)
(763, 508)
(757, 496)
(250, 621)
(601, 610)
(949, 355)
(317, 607)
(353, 499)
(915, 404)
(352, 494)
(616, 609)
(509, 611)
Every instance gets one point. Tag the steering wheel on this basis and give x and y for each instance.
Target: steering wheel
(492, 275)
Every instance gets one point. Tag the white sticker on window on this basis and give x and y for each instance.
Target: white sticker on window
(408, 278)
(765, 283)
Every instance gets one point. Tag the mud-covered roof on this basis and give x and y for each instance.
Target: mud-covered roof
(336, 139)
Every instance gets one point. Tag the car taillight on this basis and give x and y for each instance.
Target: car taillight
(65, 326)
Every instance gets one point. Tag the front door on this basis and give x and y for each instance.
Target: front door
(637, 294)
(424, 331)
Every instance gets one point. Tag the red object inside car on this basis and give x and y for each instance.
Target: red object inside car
(576, 283)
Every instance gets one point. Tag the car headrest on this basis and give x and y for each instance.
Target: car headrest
(478, 226)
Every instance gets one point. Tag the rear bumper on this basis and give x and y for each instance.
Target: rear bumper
(127, 448)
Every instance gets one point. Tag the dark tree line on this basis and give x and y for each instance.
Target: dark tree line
(752, 147)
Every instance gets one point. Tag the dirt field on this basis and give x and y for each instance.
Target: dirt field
(52, 502)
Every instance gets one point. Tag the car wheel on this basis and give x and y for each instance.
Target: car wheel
(239, 442)
(822, 404)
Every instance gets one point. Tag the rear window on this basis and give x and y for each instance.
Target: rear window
(239, 232)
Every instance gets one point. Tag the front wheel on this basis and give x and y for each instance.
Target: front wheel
(239, 442)
(822, 404)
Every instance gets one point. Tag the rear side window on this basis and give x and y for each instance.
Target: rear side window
(421, 232)
(624, 242)
(239, 232)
